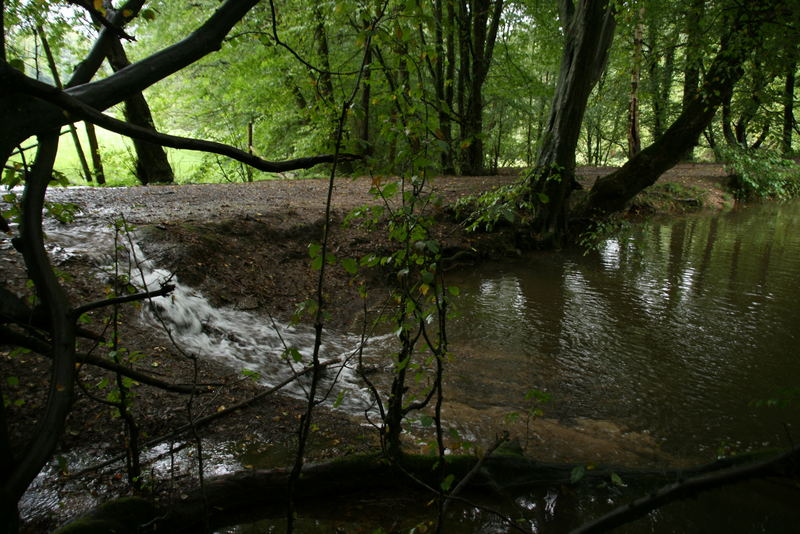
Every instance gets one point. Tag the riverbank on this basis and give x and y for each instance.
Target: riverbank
(244, 246)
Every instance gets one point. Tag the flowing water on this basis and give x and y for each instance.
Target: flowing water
(674, 343)
(666, 343)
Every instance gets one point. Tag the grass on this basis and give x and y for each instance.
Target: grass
(119, 158)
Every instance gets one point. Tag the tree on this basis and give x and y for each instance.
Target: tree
(32, 108)
(611, 193)
(152, 165)
(478, 23)
(589, 28)
(552, 182)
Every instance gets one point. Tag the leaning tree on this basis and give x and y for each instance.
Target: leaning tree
(557, 215)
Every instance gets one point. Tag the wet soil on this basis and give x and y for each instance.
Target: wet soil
(246, 246)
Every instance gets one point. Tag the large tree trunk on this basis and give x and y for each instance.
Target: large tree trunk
(589, 31)
(152, 165)
(611, 193)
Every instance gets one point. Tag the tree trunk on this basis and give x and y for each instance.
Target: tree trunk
(788, 110)
(442, 73)
(691, 72)
(480, 23)
(611, 193)
(152, 165)
(589, 31)
(94, 151)
(51, 62)
(634, 137)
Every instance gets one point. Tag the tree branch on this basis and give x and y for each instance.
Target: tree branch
(208, 418)
(166, 289)
(689, 487)
(88, 67)
(54, 299)
(100, 19)
(45, 349)
(83, 111)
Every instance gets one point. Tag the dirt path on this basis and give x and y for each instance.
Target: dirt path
(302, 201)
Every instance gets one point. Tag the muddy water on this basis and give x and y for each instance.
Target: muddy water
(662, 347)
(677, 331)
(657, 348)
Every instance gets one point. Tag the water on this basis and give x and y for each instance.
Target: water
(237, 338)
(657, 349)
(679, 329)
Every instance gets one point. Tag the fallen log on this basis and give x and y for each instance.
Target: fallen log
(236, 497)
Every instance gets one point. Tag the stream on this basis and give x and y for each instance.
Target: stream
(675, 342)
(672, 344)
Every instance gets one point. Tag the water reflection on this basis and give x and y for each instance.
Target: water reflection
(674, 330)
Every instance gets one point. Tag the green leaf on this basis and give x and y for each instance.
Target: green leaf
(294, 354)
(339, 399)
(577, 474)
(447, 482)
(390, 190)
(454, 290)
(426, 420)
(350, 265)
(251, 374)
(543, 198)
(12, 381)
(616, 480)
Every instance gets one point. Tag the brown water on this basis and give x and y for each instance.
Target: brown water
(678, 329)
(660, 348)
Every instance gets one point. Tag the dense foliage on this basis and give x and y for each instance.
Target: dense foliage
(432, 63)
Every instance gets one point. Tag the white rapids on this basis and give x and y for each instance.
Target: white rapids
(238, 338)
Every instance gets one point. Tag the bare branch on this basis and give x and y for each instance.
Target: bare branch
(690, 487)
(166, 289)
(209, 418)
(45, 349)
(82, 111)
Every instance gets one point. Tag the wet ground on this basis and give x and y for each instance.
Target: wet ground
(244, 246)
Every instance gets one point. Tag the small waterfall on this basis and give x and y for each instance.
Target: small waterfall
(237, 338)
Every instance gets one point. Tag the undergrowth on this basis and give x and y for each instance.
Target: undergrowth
(762, 174)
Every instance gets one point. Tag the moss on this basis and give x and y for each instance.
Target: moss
(669, 197)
